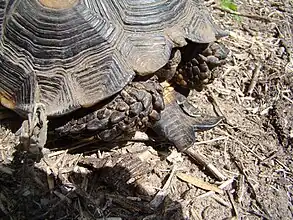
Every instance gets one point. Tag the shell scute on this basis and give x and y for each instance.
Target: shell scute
(85, 51)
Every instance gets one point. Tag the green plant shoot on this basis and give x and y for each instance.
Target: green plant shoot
(229, 4)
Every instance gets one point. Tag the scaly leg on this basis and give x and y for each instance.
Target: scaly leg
(198, 61)
(179, 127)
(134, 108)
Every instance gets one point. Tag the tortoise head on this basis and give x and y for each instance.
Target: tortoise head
(58, 4)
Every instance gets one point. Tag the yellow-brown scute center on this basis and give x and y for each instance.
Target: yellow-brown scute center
(58, 4)
(6, 101)
(168, 93)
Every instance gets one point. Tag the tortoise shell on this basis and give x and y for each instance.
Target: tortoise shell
(75, 53)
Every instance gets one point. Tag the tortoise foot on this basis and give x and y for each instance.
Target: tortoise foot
(134, 108)
(197, 64)
(179, 125)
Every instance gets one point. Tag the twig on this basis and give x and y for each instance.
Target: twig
(283, 165)
(160, 196)
(221, 201)
(289, 29)
(233, 204)
(205, 165)
(254, 79)
(194, 214)
(139, 136)
(222, 186)
(239, 142)
(61, 158)
(257, 214)
(214, 102)
(80, 209)
(240, 188)
(254, 194)
(256, 17)
(211, 141)
(287, 98)
(57, 153)
(271, 156)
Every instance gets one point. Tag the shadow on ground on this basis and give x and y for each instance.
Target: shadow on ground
(28, 192)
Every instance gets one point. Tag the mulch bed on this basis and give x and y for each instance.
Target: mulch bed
(252, 148)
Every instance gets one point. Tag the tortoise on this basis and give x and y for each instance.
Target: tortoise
(120, 60)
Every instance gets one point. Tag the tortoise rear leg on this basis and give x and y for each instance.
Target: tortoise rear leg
(176, 125)
(33, 132)
(198, 61)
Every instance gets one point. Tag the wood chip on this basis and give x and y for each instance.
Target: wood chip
(51, 181)
(222, 186)
(7, 170)
(2, 207)
(221, 201)
(62, 197)
(240, 188)
(199, 183)
(254, 80)
(200, 160)
(195, 215)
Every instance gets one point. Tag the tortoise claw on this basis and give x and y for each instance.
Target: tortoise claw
(207, 123)
(203, 122)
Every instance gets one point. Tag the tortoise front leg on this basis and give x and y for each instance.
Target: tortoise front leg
(177, 125)
(136, 107)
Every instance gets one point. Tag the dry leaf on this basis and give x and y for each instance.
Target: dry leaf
(199, 183)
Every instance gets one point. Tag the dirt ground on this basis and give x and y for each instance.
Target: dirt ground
(252, 148)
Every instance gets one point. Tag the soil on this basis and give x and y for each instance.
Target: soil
(252, 148)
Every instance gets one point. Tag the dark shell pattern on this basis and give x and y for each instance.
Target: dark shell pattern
(77, 56)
